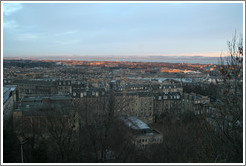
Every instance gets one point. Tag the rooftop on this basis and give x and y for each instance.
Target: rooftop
(135, 123)
(7, 91)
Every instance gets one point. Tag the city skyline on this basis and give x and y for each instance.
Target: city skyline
(119, 29)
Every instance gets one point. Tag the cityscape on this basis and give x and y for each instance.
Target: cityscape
(63, 103)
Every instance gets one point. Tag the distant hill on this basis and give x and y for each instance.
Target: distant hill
(168, 59)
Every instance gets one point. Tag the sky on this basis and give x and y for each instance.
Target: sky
(119, 29)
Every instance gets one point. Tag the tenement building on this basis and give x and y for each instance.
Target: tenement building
(199, 104)
(91, 104)
(138, 104)
(41, 116)
(35, 87)
(167, 102)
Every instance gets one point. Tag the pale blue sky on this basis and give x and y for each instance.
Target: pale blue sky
(47, 29)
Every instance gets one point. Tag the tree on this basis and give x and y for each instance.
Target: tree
(228, 114)
(51, 130)
(62, 130)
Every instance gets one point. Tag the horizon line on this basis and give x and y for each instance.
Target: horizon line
(117, 56)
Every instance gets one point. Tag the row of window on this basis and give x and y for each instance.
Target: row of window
(149, 140)
(83, 94)
(166, 97)
(64, 83)
(163, 87)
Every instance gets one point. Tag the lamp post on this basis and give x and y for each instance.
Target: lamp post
(21, 144)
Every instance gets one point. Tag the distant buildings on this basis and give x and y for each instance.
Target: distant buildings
(148, 100)
(146, 91)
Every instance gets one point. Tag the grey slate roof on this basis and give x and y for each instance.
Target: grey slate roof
(135, 123)
(7, 91)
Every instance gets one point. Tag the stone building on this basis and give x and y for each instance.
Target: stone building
(38, 116)
(138, 104)
(199, 104)
(64, 87)
(91, 104)
(168, 86)
(167, 102)
(140, 133)
(10, 97)
(35, 87)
